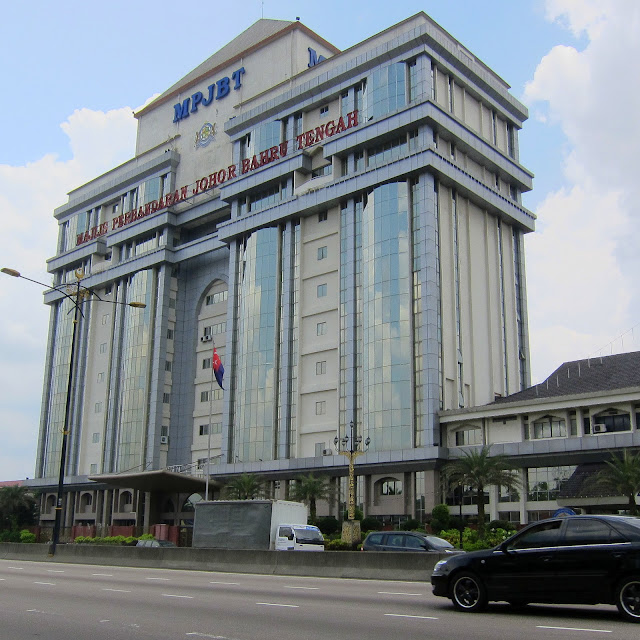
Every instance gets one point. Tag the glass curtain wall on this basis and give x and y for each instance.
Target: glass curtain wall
(255, 362)
(386, 90)
(58, 388)
(387, 351)
(134, 375)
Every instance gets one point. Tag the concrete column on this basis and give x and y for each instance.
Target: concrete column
(147, 512)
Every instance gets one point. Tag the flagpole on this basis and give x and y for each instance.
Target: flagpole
(206, 490)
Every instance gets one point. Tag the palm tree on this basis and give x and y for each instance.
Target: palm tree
(478, 469)
(244, 487)
(17, 507)
(310, 488)
(622, 475)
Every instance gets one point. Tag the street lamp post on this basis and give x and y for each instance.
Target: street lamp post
(349, 446)
(78, 294)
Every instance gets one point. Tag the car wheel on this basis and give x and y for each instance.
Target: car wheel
(628, 598)
(468, 593)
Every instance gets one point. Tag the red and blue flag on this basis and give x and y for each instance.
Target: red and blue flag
(218, 369)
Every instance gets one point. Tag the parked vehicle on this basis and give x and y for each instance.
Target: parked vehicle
(253, 524)
(299, 537)
(406, 541)
(570, 560)
(155, 543)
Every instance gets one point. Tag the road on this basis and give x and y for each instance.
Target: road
(86, 602)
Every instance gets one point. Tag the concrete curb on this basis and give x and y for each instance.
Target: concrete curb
(329, 564)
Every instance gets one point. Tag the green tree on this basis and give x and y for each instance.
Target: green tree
(309, 489)
(244, 487)
(622, 475)
(17, 507)
(478, 469)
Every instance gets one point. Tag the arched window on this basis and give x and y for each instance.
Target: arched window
(611, 421)
(86, 500)
(190, 502)
(389, 487)
(468, 435)
(50, 504)
(126, 500)
(549, 427)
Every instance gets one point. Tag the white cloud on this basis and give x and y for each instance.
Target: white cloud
(582, 262)
(28, 195)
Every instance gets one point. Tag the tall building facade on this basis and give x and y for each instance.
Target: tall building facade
(345, 228)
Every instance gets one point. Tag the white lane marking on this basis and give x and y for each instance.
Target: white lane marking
(167, 579)
(108, 575)
(2, 578)
(118, 590)
(16, 568)
(173, 595)
(53, 584)
(275, 604)
(399, 593)
(55, 570)
(286, 586)
(206, 635)
(401, 615)
(105, 620)
(573, 629)
(224, 583)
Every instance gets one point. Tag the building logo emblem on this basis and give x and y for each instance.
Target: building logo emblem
(206, 134)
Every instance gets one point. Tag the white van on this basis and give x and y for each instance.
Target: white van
(299, 537)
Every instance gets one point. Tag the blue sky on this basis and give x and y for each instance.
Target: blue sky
(73, 72)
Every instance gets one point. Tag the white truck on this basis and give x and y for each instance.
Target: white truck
(255, 524)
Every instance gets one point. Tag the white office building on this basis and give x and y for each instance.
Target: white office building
(344, 227)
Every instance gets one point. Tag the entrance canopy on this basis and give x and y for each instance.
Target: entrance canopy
(161, 480)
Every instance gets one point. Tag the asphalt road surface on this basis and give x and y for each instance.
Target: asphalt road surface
(85, 602)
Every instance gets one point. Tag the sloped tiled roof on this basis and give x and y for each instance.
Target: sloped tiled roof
(583, 483)
(607, 373)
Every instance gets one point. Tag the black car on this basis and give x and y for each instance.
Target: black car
(570, 560)
(406, 541)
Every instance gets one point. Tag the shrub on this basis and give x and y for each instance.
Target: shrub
(146, 536)
(328, 525)
(9, 536)
(470, 541)
(410, 525)
(440, 518)
(337, 545)
(370, 524)
(501, 524)
(27, 537)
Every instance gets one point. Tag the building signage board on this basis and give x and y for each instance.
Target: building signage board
(216, 178)
(216, 90)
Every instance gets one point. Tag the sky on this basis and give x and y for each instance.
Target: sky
(74, 71)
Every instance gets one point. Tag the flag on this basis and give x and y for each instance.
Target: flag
(218, 369)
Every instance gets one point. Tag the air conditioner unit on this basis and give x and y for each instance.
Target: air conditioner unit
(327, 452)
(205, 339)
(164, 439)
(599, 428)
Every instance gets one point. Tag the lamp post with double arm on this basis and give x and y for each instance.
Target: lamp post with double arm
(349, 446)
(78, 295)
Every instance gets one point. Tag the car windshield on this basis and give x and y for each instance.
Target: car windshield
(309, 535)
(439, 542)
